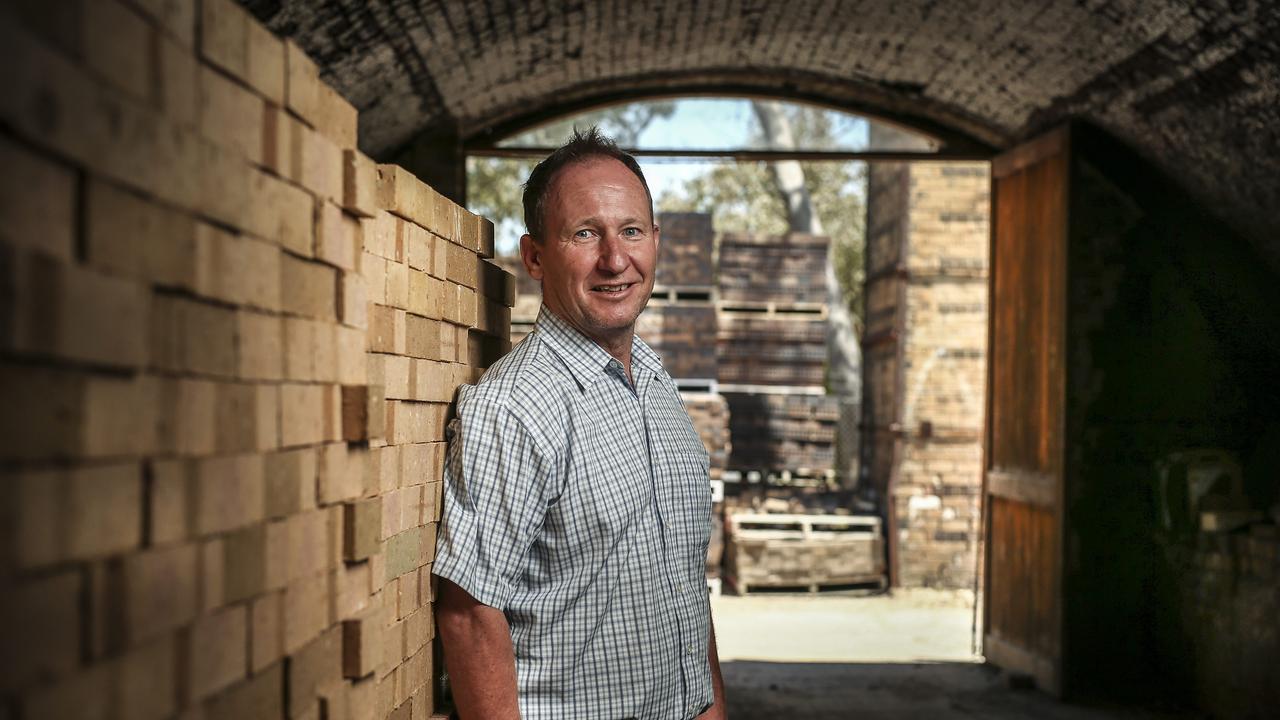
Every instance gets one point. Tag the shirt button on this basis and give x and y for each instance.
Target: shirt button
(690, 648)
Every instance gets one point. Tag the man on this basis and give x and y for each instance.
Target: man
(576, 501)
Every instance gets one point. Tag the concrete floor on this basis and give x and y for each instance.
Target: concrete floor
(898, 657)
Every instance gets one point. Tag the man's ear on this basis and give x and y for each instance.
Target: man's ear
(531, 254)
(657, 237)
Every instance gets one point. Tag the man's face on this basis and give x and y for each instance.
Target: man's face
(599, 247)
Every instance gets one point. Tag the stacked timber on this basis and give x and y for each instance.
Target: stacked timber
(681, 333)
(772, 351)
(710, 415)
(803, 552)
(528, 297)
(688, 244)
(786, 269)
(782, 432)
(771, 346)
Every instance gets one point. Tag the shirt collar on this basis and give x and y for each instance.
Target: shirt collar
(587, 361)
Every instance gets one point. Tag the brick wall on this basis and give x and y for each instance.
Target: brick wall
(926, 362)
(228, 342)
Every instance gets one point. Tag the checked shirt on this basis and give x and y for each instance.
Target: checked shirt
(579, 505)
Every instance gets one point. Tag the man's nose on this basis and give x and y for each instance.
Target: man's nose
(613, 254)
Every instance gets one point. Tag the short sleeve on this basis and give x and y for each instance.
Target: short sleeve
(494, 481)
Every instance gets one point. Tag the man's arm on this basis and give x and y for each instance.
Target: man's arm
(717, 711)
(478, 655)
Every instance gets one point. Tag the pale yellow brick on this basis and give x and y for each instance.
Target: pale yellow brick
(176, 18)
(423, 337)
(360, 184)
(381, 233)
(386, 329)
(337, 238)
(374, 270)
(159, 590)
(353, 300)
(291, 482)
(146, 681)
(317, 163)
(187, 416)
(352, 359)
(77, 314)
(299, 349)
(398, 285)
(224, 35)
(266, 628)
(37, 202)
(167, 501)
(306, 611)
(219, 651)
(102, 433)
(239, 270)
(302, 414)
(213, 575)
(403, 194)
(104, 510)
(336, 118)
(282, 213)
(179, 83)
(117, 46)
(312, 288)
(393, 374)
(228, 492)
(324, 351)
(265, 62)
(261, 342)
(231, 115)
(302, 86)
(341, 473)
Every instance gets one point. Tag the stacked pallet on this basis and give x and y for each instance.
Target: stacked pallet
(786, 269)
(803, 552)
(688, 246)
(229, 346)
(528, 300)
(782, 432)
(772, 351)
(710, 415)
(771, 346)
(679, 332)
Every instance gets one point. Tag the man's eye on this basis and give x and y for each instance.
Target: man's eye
(631, 232)
(583, 235)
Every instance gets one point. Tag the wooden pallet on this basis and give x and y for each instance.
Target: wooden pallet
(683, 294)
(798, 310)
(865, 584)
(809, 551)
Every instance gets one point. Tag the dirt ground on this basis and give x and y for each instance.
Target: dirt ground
(886, 657)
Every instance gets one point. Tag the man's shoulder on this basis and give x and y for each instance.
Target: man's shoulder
(522, 381)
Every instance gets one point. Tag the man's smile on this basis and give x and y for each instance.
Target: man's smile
(616, 289)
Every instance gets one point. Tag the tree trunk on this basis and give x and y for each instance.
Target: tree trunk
(844, 355)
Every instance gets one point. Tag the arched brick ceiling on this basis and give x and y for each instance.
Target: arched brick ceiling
(1194, 86)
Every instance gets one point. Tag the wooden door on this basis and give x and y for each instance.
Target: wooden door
(1023, 480)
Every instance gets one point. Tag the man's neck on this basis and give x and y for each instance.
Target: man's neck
(617, 344)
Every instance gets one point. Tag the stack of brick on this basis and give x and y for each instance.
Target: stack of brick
(779, 432)
(925, 356)
(681, 315)
(226, 371)
(528, 297)
(710, 415)
(772, 352)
